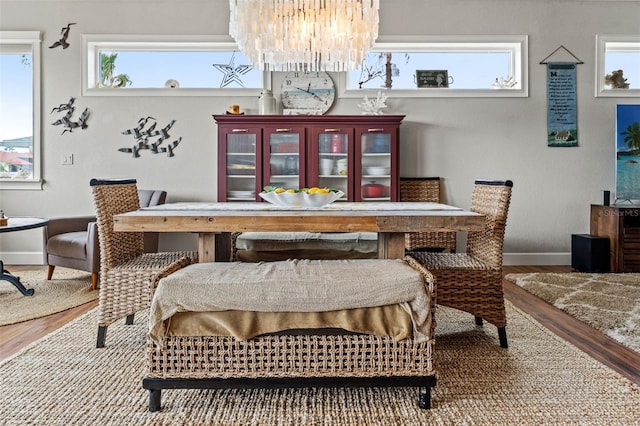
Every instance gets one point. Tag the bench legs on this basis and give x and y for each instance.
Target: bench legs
(424, 397)
(155, 385)
(155, 395)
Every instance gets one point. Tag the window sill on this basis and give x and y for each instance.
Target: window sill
(30, 185)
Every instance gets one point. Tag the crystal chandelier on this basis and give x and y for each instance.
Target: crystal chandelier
(313, 35)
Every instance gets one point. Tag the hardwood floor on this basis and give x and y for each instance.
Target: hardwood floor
(602, 348)
(16, 336)
(591, 341)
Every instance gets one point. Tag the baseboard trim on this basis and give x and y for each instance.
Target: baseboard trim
(22, 258)
(537, 259)
(37, 258)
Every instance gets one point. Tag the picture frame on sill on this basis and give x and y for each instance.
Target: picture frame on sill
(433, 79)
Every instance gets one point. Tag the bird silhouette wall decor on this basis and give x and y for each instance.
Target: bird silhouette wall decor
(63, 39)
(145, 136)
(66, 120)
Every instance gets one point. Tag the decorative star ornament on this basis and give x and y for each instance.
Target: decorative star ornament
(232, 73)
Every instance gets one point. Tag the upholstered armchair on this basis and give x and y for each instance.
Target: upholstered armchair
(72, 242)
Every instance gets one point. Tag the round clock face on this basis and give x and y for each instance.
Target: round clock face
(308, 92)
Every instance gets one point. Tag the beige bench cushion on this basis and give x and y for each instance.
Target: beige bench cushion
(390, 320)
(292, 286)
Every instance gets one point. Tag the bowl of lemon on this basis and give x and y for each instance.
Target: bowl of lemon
(297, 198)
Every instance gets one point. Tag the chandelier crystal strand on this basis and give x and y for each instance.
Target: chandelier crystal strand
(312, 35)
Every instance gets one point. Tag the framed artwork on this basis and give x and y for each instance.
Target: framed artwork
(433, 78)
(628, 153)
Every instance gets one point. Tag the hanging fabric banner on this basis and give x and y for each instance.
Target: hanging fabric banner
(562, 119)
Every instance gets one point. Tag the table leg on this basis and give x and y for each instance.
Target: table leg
(206, 247)
(7, 276)
(223, 247)
(390, 245)
(214, 247)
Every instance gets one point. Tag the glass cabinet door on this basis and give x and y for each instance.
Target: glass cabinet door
(241, 175)
(285, 165)
(334, 165)
(376, 170)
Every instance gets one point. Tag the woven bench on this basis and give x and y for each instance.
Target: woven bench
(292, 358)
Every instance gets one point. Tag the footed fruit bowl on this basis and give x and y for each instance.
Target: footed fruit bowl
(311, 197)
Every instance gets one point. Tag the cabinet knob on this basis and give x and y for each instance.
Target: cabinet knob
(331, 130)
(240, 130)
(375, 130)
(283, 130)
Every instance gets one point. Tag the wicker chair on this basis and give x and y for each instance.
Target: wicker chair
(128, 276)
(472, 281)
(425, 189)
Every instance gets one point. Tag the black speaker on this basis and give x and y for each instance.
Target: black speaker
(589, 253)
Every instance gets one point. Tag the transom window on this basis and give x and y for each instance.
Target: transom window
(20, 110)
(157, 66)
(618, 65)
(451, 66)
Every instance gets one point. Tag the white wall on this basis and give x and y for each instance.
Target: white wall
(458, 139)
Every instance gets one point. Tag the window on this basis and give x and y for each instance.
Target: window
(20, 110)
(618, 65)
(448, 66)
(122, 65)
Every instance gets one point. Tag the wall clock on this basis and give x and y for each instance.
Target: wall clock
(310, 93)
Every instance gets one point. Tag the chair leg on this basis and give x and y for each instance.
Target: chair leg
(129, 319)
(50, 271)
(102, 335)
(478, 320)
(502, 335)
(94, 281)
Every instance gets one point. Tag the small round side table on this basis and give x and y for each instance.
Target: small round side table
(20, 224)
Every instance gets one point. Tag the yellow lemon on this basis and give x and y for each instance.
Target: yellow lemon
(322, 191)
(291, 191)
(279, 190)
(313, 190)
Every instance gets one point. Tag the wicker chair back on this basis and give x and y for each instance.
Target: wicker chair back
(112, 197)
(492, 199)
(425, 189)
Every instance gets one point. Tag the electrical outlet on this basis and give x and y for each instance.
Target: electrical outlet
(67, 159)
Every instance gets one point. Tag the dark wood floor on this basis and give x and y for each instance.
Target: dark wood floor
(625, 361)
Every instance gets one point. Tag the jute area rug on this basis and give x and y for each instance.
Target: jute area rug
(539, 380)
(607, 302)
(67, 288)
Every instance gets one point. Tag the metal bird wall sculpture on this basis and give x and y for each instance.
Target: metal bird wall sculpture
(63, 40)
(143, 136)
(66, 120)
(64, 107)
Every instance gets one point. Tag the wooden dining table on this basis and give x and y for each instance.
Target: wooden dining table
(215, 221)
